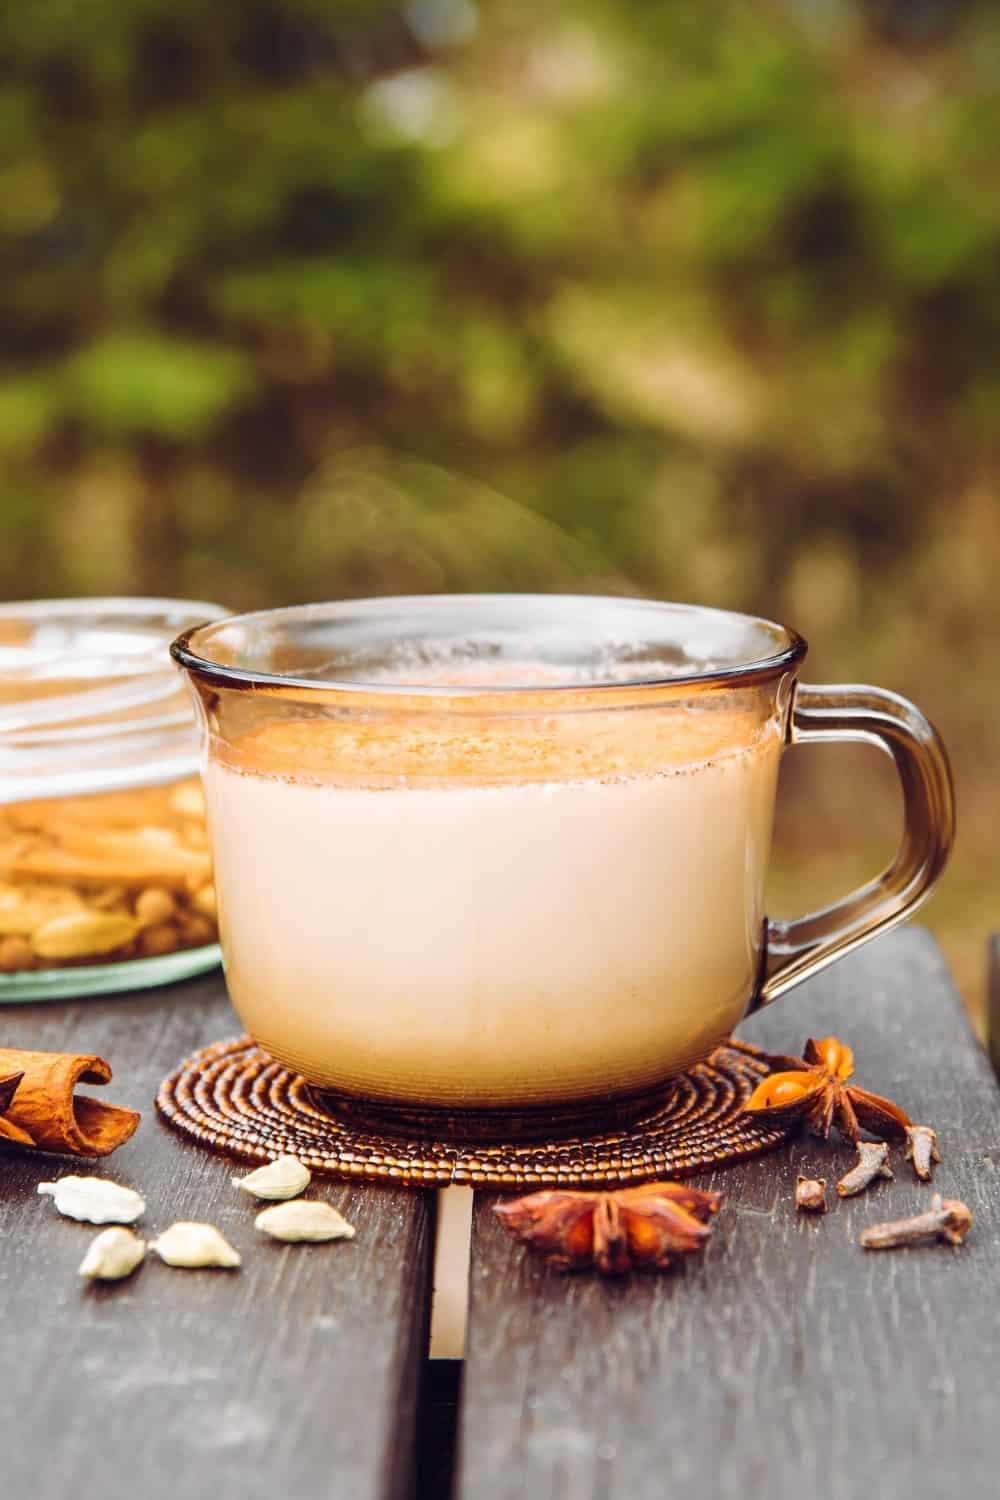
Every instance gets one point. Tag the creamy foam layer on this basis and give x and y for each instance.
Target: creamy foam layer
(383, 749)
(454, 913)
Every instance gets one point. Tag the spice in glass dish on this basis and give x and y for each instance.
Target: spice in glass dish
(108, 876)
(105, 871)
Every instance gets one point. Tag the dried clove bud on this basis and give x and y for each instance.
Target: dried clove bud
(113, 1254)
(283, 1178)
(922, 1150)
(948, 1220)
(94, 1200)
(304, 1220)
(194, 1245)
(872, 1162)
(810, 1195)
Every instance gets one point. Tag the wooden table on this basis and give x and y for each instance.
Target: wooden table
(784, 1363)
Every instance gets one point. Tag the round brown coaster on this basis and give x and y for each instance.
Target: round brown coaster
(233, 1097)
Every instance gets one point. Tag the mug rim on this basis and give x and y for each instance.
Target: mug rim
(215, 673)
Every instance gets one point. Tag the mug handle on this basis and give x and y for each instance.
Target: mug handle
(796, 950)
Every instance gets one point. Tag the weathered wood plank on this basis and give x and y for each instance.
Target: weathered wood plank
(297, 1375)
(993, 1001)
(787, 1361)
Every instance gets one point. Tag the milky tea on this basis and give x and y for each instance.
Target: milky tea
(505, 912)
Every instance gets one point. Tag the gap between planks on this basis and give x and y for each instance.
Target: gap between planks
(452, 1253)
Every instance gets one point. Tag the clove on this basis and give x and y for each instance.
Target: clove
(872, 1162)
(922, 1150)
(949, 1220)
(810, 1195)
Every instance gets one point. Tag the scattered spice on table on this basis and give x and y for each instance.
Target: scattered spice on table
(195, 1246)
(277, 1181)
(948, 1219)
(872, 1162)
(922, 1150)
(94, 1200)
(815, 1089)
(305, 1220)
(112, 1255)
(641, 1228)
(810, 1195)
(9, 1080)
(44, 1111)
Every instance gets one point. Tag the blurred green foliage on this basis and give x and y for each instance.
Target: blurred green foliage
(710, 292)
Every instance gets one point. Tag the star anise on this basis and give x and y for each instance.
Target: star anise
(815, 1087)
(641, 1228)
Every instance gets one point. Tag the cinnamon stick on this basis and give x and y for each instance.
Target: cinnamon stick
(9, 1080)
(8, 1088)
(11, 1133)
(45, 1112)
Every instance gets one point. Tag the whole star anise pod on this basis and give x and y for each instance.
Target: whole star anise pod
(815, 1087)
(641, 1228)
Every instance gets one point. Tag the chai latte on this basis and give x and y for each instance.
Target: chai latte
(495, 912)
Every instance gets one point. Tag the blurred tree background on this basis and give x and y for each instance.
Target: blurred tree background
(311, 298)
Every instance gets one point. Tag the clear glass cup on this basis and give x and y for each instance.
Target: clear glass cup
(497, 862)
(105, 875)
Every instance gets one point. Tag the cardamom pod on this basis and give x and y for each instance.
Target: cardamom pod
(113, 1254)
(194, 1245)
(304, 1220)
(94, 1200)
(283, 1178)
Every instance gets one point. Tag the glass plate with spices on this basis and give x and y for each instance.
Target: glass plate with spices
(105, 873)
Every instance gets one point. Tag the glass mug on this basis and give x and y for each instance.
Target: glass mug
(496, 863)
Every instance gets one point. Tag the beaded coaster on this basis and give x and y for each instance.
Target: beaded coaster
(234, 1098)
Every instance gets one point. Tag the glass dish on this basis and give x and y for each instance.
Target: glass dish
(105, 876)
(124, 976)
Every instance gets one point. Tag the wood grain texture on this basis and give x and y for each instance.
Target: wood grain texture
(786, 1362)
(993, 1001)
(296, 1376)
